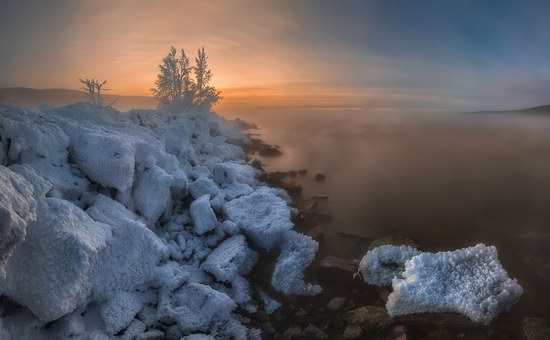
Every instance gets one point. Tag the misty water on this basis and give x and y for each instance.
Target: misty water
(448, 180)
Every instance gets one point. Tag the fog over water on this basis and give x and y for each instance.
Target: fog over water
(448, 180)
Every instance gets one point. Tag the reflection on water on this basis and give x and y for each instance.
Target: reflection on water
(447, 180)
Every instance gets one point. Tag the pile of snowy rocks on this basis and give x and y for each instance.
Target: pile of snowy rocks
(136, 224)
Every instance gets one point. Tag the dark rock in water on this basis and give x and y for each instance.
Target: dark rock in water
(383, 293)
(335, 263)
(301, 312)
(312, 332)
(320, 177)
(396, 240)
(336, 303)
(535, 329)
(270, 151)
(243, 125)
(292, 173)
(321, 196)
(302, 172)
(352, 332)
(261, 316)
(256, 163)
(338, 273)
(293, 332)
(368, 316)
(310, 207)
(318, 216)
(398, 332)
(268, 328)
(317, 233)
(349, 235)
(444, 320)
(440, 334)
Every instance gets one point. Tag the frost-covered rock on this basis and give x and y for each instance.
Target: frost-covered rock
(231, 257)
(380, 265)
(262, 216)
(203, 186)
(120, 310)
(198, 306)
(470, 281)
(17, 210)
(51, 272)
(297, 254)
(116, 236)
(204, 218)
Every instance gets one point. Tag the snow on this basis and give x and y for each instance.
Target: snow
(470, 281)
(138, 224)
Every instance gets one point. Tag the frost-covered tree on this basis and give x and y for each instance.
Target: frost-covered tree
(93, 90)
(205, 94)
(174, 85)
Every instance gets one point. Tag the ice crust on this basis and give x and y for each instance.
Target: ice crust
(136, 223)
(470, 281)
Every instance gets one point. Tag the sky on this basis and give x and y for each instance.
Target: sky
(379, 54)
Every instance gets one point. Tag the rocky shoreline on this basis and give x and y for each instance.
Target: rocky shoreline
(347, 308)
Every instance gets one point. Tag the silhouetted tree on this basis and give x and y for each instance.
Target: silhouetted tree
(205, 94)
(175, 87)
(93, 90)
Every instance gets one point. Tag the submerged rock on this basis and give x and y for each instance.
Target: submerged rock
(535, 329)
(368, 316)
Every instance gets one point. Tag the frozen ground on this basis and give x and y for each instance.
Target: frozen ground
(139, 223)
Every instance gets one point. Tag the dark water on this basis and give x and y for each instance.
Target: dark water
(446, 180)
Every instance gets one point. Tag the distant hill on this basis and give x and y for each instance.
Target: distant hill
(34, 97)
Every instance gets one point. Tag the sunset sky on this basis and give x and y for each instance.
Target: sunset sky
(437, 55)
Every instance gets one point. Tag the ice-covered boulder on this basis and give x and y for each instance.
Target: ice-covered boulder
(106, 158)
(231, 257)
(262, 216)
(198, 306)
(17, 210)
(204, 218)
(203, 186)
(131, 256)
(51, 272)
(297, 254)
(383, 263)
(470, 281)
(120, 310)
(152, 196)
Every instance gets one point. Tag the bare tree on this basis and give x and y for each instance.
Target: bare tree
(93, 90)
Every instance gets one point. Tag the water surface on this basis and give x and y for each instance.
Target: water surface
(448, 180)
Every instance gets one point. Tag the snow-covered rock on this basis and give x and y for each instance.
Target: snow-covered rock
(17, 210)
(204, 218)
(470, 281)
(262, 216)
(114, 224)
(51, 272)
(231, 257)
(383, 263)
(297, 254)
